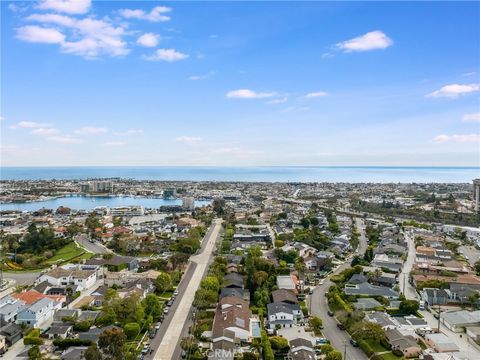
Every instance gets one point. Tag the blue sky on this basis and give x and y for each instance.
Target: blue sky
(230, 83)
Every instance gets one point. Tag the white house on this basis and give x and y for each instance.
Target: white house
(84, 279)
(283, 314)
(9, 308)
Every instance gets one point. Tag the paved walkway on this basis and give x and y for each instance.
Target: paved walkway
(173, 333)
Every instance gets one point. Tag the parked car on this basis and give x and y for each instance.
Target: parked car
(340, 326)
(322, 341)
(170, 303)
(165, 311)
(330, 313)
(354, 342)
(175, 293)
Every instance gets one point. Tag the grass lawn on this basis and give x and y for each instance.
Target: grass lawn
(391, 356)
(166, 295)
(376, 347)
(68, 252)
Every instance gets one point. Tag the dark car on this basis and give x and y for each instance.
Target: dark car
(330, 313)
(340, 326)
(354, 343)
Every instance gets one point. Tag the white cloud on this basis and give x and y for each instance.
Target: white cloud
(457, 138)
(157, 14)
(45, 131)
(66, 6)
(188, 139)
(37, 34)
(62, 20)
(278, 101)
(129, 132)
(169, 55)
(248, 94)
(2, 118)
(201, 77)
(91, 130)
(115, 143)
(473, 117)
(148, 40)
(87, 37)
(370, 41)
(315, 94)
(65, 139)
(327, 55)
(455, 90)
(29, 125)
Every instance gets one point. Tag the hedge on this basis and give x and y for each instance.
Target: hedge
(365, 347)
(66, 343)
(32, 341)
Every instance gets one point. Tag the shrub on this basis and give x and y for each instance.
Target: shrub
(367, 349)
(66, 343)
(131, 330)
(82, 326)
(32, 341)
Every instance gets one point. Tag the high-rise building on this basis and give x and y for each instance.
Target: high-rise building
(188, 203)
(476, 194)
(97, 187)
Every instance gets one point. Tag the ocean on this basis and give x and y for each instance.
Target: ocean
(354, 174)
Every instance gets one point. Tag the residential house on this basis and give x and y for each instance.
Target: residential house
(440, 342)
(9, 308)
(288, 282)
(37, 314)
(283, 314)
(457, 321)
(83, 279)
(366, 289)
(284, 295)
(12, 333)
(232, 314)
(301, 349)
(407, 345)
(434, 296)
(59, 331)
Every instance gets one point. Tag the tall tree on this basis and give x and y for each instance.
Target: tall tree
(112, 343)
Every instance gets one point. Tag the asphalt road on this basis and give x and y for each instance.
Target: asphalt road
(166, 344)
(21, 278)
(339, 339)
(95, 247)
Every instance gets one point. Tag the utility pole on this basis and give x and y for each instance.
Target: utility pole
(439, 311)
(345, 350)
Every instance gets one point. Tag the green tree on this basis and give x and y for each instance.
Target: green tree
(334, 355)
(152, 306)
(112, 343)
(163, 282)
(210, 283)
(408, 307)
(131, 330)
(279, 344)
(316, 323)
(92, 353)
(34, 353)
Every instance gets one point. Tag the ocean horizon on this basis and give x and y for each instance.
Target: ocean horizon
(353, 174)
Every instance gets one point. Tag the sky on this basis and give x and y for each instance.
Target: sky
(240, 83)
